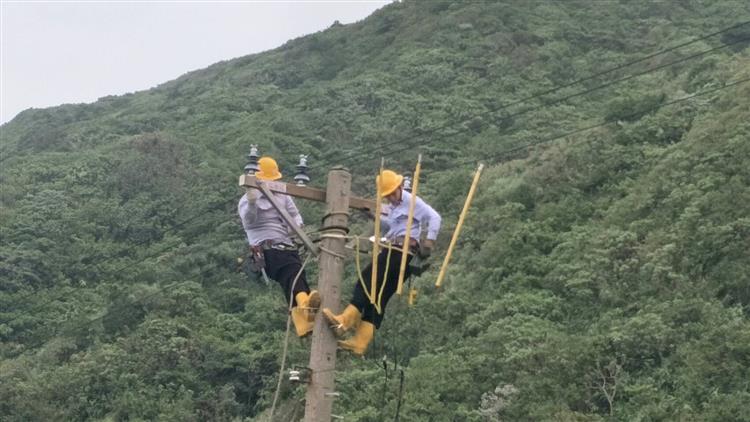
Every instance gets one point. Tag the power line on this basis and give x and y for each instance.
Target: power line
(494, 156)
(537, 95)
(408, 145)
(503, 153)
(38, 307)
(400, 395)
(160, 251)
(546, 92)
(137, 262)
(121, 307)
(587, 128)
(506, 117)
(286, 339)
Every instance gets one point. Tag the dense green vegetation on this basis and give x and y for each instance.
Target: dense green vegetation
(601, 276)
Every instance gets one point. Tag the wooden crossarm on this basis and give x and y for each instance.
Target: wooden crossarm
(306, 192)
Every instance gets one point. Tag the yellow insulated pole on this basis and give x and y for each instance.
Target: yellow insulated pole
(458, 226)
(409, 220)
(376, 243)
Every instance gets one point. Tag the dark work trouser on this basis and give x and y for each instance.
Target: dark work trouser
(282, 266)
(360, 299)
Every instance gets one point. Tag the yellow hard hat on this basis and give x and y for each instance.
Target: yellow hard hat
(269, 170)
(391, 182)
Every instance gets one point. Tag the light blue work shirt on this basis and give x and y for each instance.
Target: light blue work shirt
(395, 216)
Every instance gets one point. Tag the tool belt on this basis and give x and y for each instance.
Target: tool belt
(413, 244)
(257, 256)
(417, 265)
(279, 246)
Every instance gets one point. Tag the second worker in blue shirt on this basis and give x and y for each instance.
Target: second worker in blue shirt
(361, 315)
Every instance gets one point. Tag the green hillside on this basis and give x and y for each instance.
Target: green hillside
(603, 273)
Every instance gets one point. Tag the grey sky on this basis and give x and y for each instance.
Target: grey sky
(71, 52)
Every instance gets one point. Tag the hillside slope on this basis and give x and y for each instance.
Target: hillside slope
(602, 275)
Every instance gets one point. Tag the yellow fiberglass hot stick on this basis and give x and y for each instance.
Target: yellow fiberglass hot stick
(458, 226)
(409, 221)
(376, 243)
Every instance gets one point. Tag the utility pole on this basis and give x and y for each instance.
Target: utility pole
(331, 255)
(320, 391)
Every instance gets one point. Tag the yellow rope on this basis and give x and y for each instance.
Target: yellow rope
(359, 269)
(286, 339)
(379, 305)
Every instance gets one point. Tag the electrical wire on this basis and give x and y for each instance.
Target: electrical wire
(492, 157)
(327, 161)
(286, 339)
(515, 149)
(410, 145)
(41, 306)
(400, 395)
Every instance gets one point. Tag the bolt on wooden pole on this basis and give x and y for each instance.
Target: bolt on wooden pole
(320, 390)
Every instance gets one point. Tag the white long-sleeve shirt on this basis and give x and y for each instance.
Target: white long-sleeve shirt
(395, 216)
(262, 222)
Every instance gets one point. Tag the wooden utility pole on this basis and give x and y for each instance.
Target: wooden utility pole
(331, 253)
(320, 391)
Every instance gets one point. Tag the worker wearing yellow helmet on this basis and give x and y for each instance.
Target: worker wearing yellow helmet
(361, 315)
(272, 248)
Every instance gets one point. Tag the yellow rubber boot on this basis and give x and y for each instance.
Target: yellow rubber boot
(360, 340)
(344, 322)
(310, 303)
(301, 323)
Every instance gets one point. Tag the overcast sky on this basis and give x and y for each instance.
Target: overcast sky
(71, 52)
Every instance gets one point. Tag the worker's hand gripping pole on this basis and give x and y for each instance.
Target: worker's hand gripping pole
(376, 243)
(458, 226)
(409, 221)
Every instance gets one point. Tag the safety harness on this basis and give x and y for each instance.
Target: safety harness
(258, 258)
